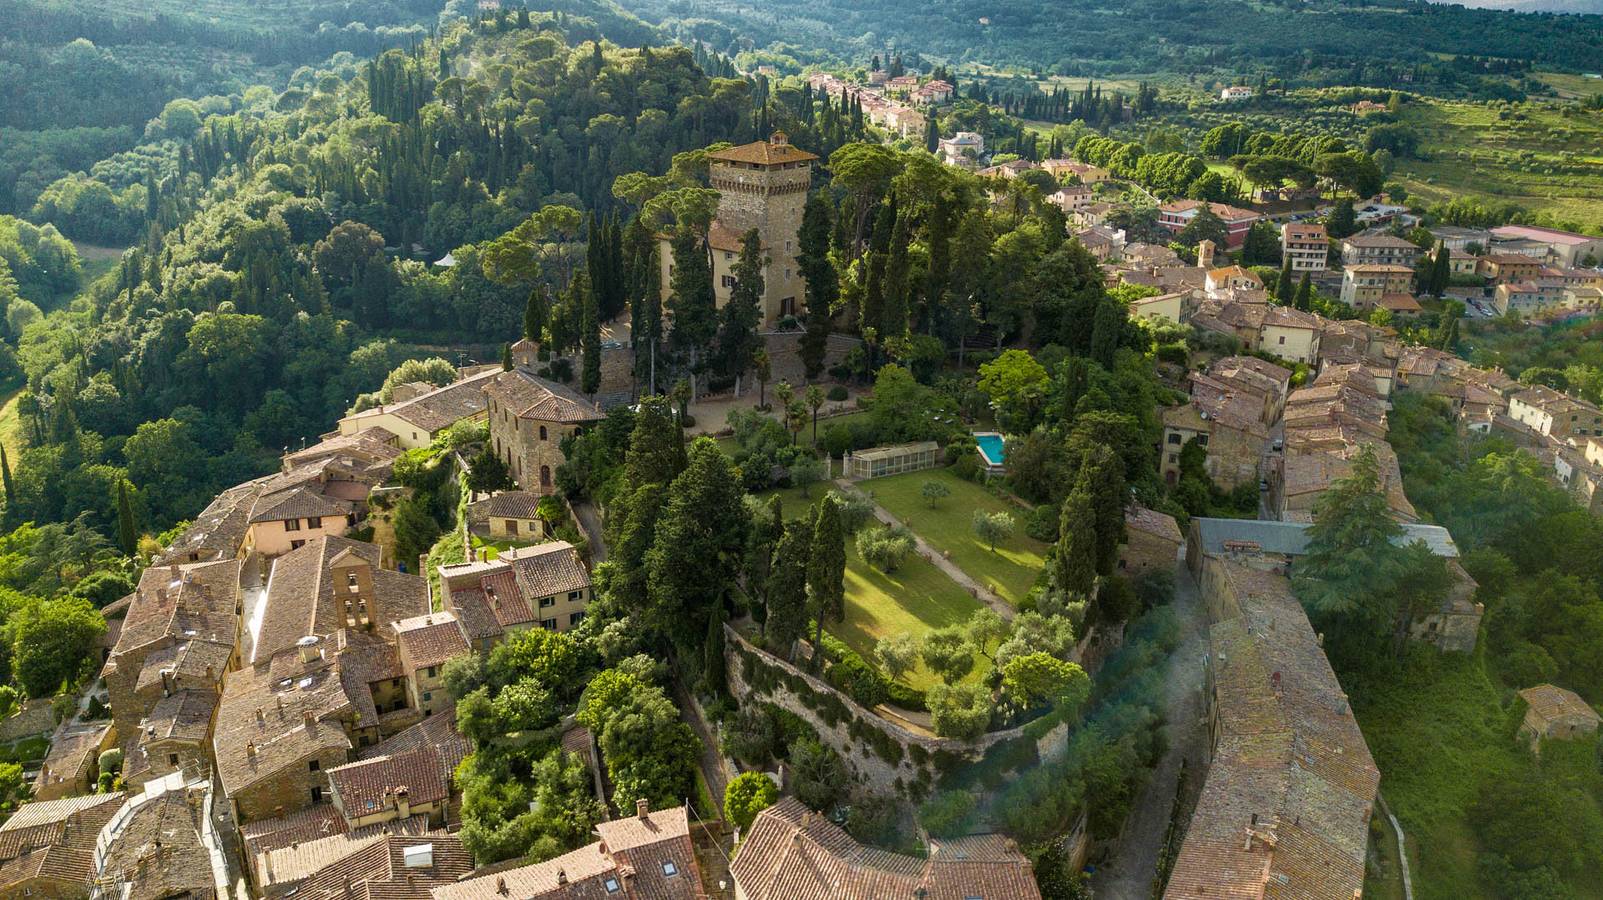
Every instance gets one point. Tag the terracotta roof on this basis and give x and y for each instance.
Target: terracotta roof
(548, 569)
(219, 529)
(1400, 303)
(1152, 522)
(514, 504)
(636, 853)
(297, 503)
(370, 445)
(271, 720)
(1287, 317)
(772, 152)
(435, 733)
(1545, 235)
(531, 397)
(1552, 702)
(159, 851)
(372, 785)
(1223, 211)
(792, 853)
(182, 716)
(302, 598)
(440, 408)
(1380, 241)
(371, 867)
(1300, 232)
(95, 809)
(194, 601)
(1284, 810)
(429, 640)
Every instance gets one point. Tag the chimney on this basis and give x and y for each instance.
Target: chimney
(403, 802)
(259, 717)
(308, 718)
(562, 876)
(1205, 251)
(250, 749)
(642, 807)
(500, 884)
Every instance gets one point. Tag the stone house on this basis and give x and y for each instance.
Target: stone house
(1363, 286)
(47, 848)
(72, 766)
(793, 853)
(1555, 713)
(1219, 283)
(529, 417)
(1500, 268)
(546, 585)
(514, 515)
(1152, 542)
(1554, 414)
(1290, 334)
(387, 788)
(426, 643)
(417, 420)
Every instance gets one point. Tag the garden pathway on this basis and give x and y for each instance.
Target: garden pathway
(1133, 863)
(975, 589)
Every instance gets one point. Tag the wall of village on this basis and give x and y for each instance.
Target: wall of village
(882, 756)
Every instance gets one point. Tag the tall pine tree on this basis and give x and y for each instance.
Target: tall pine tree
(127, 534)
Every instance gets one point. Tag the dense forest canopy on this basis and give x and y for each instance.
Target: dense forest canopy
(1097, 37)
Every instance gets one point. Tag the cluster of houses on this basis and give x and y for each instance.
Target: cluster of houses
(277, 694)
(892, 104)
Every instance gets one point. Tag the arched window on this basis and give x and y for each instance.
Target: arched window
(545, 476)
(542, 432)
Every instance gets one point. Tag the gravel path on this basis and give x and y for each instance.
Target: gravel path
(1128, 873)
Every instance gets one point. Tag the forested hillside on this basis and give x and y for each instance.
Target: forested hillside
(1097, 37)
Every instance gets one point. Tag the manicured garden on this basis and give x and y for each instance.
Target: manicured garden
(948, 526)
(915, 599)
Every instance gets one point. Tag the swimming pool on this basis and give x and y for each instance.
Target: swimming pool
(992, 448)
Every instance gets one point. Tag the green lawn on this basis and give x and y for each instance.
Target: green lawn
(26, 750)
(949, 528)
(915, 599)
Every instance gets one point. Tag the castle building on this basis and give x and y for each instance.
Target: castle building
(529, 416)
(761, 185)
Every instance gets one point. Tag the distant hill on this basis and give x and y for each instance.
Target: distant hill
(1576, 7)
(1100, 37)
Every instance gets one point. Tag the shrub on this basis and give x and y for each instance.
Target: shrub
(1043, 523)
(960, 711)
(946, 814)
(885, 547)
(747, 795)
(860, 681)
(855, 509)
(837, 393)
(750, 735)
(818, 773)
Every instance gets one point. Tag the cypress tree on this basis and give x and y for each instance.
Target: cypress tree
(713, 676)
(1074, 566)
(822, 285)
(1102, 479)
(787, 590)
(894, 315)
(826, 570)
(11, 491)
(738, 320)
(1305, 294)
(589, 335)
(127, 535)
(534, 313)
(506, 357)
(1283, 290)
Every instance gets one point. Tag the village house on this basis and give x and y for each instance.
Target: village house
(515, 516)
(331, 584)
(71, 767)
(529, 417)
(1366, 285)
(1501, 268)
(1013, 168)
(793, 853)
(1456, 238)
(417, 419)
(1528, 298)
(1556, 415)
(1290, 334)
(1306, 245)
(426, 643)
(1084, 173)
(545, 585)
(1379, 249)
(381, 864)
(47, 848)
(649, 854)
(1221, 283)
(1177, 214)
(323, 495)
(1234, 93)
(932, 93)
(218, 531)
(1152, 542)
(1555, 713)
(1161, 307)
(763, 186)
(1229, 414)
(162, 847)
(1104, 242)
(961, 149)
(1072, 197)
(1563, 248)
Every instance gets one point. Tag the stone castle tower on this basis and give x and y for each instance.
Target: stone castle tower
(761, 185)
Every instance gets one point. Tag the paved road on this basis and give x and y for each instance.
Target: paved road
(1128, 873)
(590, 523)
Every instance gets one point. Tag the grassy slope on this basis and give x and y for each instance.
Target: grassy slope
(1437, 733)
(949, 528)
(1541, 135)
(915, 599)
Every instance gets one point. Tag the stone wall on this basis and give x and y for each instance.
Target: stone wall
(882, 756)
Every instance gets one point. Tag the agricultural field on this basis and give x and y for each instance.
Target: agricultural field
(948, 527)
(1545, 157)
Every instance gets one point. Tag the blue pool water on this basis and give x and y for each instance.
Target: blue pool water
(992, 448)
